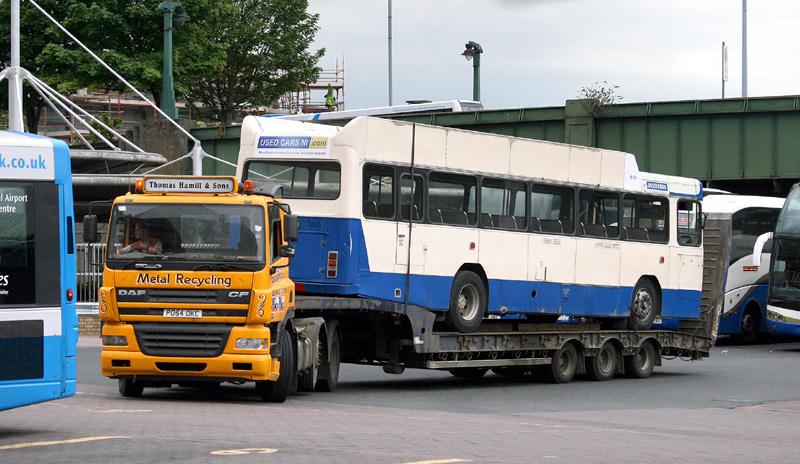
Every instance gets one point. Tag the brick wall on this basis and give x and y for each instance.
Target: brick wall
(89, 324)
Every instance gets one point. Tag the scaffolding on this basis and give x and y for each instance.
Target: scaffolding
(310, 97)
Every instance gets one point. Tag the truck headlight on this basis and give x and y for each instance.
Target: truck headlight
(252, 344)
(115, 340)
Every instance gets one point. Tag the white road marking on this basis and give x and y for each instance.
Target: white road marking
(59, 442)
(238, 452)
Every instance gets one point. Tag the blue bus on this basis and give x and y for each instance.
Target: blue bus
(38, 323)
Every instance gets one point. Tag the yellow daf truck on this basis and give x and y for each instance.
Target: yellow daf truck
(196, 289)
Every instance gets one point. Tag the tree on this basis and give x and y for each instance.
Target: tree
(598, 96)
(267, 54)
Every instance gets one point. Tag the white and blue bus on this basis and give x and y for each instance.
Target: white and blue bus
(38, 324)
(744, 218)
(783, 299)
(467, 223)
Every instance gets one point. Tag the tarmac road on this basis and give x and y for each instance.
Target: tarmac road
(740, 405)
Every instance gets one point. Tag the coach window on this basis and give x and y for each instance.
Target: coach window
(378, 188)
(411, 197)
(746, 226)
(451, 199)
(599, 214)
(689, 223)
(552, 209)
(644, 219)
(503, 204)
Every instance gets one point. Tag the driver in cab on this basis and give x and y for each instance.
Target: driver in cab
(144, 242)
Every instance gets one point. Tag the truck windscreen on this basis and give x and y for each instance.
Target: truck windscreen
(187, 232)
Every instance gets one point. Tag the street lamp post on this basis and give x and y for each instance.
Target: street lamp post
(474, 50)
(167, 103)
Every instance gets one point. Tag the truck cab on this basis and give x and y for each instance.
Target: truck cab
(196, 285)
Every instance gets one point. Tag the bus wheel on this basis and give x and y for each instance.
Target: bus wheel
(645, 305)
(564, 365)
(640, 364)
(751, 325)
(329, 371)
(130, 389)
(467, 303)
(603, 365)
(469, 372)
(278, 391)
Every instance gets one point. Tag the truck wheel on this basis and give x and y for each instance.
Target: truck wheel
(329, 371)
(130, 389)
(278, 391)
(603, 365)
(467, 303)
(564, 365)
(469, 372)
(645, 305)
(751, 325)
(640, 364)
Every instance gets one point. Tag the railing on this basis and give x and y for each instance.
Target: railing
(90, 275)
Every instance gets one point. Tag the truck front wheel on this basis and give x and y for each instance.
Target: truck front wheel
(130, 389)
(278, 391)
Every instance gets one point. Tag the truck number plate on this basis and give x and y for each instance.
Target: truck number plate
(191, 313)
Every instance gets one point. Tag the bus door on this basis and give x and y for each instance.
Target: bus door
(687, 257)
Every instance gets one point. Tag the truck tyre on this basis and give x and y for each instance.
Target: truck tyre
(467, 303)
(750, 325)
(130, 389)
(329, 370)
(645, 305)
(469, 372)
(603, 365)
(564, 365)
(640, 364)
(278, 391)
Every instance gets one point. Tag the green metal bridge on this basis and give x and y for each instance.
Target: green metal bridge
(749, 146)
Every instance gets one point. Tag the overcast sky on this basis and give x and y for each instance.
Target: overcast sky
(541, 52)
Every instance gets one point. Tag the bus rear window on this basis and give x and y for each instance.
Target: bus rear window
(300, 179)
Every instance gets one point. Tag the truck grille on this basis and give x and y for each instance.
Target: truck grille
(182, 340)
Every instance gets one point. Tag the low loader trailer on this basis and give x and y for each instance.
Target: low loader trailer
(196, 290)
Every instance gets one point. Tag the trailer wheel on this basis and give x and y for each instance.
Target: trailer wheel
(640, 364)
(603, 365)
(467, 303)
(130, 389)
(645, 305)
(564, 365)
(278, 391)
(469, 372)
(329, 371)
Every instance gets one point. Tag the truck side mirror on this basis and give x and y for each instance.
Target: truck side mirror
(286, 251)
(90, 229)
(291, 224)
(758, 248)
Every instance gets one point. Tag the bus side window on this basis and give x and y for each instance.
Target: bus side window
(689, 215)
(411, 198)
(452, 198)
(552, 209)
(378, 190)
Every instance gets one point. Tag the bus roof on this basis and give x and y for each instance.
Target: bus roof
(729, 204)
(429, 107)
(383, 140)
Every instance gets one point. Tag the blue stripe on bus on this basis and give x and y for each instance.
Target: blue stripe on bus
(783, 328)
(320, 235)
(52, 385)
